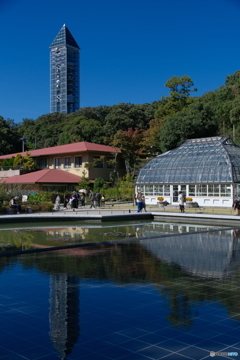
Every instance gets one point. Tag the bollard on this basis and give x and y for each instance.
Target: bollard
(129, 211)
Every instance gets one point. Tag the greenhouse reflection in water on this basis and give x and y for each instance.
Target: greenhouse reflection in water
(45, 237)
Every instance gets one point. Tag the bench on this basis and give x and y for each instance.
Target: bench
(11, 211)
(26, 210)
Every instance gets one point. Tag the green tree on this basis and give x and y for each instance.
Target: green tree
(84, 183)
(8, 162)
(98, 184)
(125, 115)
(9, 139)
(233, 80)
(27, 130)
(195, 122)
(235, 115)
(180, 88)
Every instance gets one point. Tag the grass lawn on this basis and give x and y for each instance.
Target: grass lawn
(201, 210)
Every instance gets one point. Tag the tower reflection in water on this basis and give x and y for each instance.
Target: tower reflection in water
(64, 313)
(185, 270)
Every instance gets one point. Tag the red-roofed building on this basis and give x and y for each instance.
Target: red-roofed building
(72, 158)
(48, 180)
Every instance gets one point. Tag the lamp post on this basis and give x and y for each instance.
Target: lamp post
(23, 142)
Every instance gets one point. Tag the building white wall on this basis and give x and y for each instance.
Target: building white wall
(203, 201)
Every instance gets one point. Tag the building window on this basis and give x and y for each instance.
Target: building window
(202, 190)
(41, 163)
(213, 190)
(191, 190)
(57, 162)
(98, 162)
(148, 189)
(67, 162)
(158, 190)
(225, 190)
(78, 161)
(166, 190)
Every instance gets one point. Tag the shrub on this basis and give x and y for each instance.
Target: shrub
(46, 206)
(98, 184)
(40, 196)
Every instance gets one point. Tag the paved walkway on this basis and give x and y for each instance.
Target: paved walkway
(119, 212)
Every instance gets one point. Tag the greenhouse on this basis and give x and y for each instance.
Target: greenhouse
(206, 170)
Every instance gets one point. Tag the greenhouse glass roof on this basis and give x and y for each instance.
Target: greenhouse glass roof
(206, 160)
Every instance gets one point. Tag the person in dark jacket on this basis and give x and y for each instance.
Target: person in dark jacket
(74, 200)
(236, 206)
(92, 198)
(65, 200)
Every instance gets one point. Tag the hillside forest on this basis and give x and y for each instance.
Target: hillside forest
(140, 131)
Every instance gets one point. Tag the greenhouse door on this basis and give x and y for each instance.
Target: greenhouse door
(175, 193)
(237, 190)
(183, 189)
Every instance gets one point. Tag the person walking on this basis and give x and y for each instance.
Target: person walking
(82, 199)
(181, 200)
(98, 199)
(57, 202)
(92, 198)
(65, 200)
(236, 206)
(74, 201)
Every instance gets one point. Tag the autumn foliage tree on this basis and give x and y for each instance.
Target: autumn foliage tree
(26, 162)
(130, 144)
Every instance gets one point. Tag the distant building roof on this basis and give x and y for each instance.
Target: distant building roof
(64, 38)
(66, 149)
(43, 176)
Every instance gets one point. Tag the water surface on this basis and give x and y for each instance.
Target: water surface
(176, 297)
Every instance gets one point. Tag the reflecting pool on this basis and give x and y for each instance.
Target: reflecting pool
(43, 236)
(175, 297)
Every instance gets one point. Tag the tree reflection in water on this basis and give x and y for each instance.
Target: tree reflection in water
(185, 270)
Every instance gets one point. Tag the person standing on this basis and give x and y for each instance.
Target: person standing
(103, 201)
(139, 200)
(236, 206)
(99, 196)
(181, 200)
(143, 204)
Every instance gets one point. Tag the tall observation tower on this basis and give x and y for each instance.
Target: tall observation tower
(64, 73)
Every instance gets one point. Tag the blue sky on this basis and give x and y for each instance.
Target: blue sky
(129, 49)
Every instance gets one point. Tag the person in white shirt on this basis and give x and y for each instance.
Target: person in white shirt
(13, 204)
(181, 200)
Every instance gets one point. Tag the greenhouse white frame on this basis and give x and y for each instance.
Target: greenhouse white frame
(206, 170)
